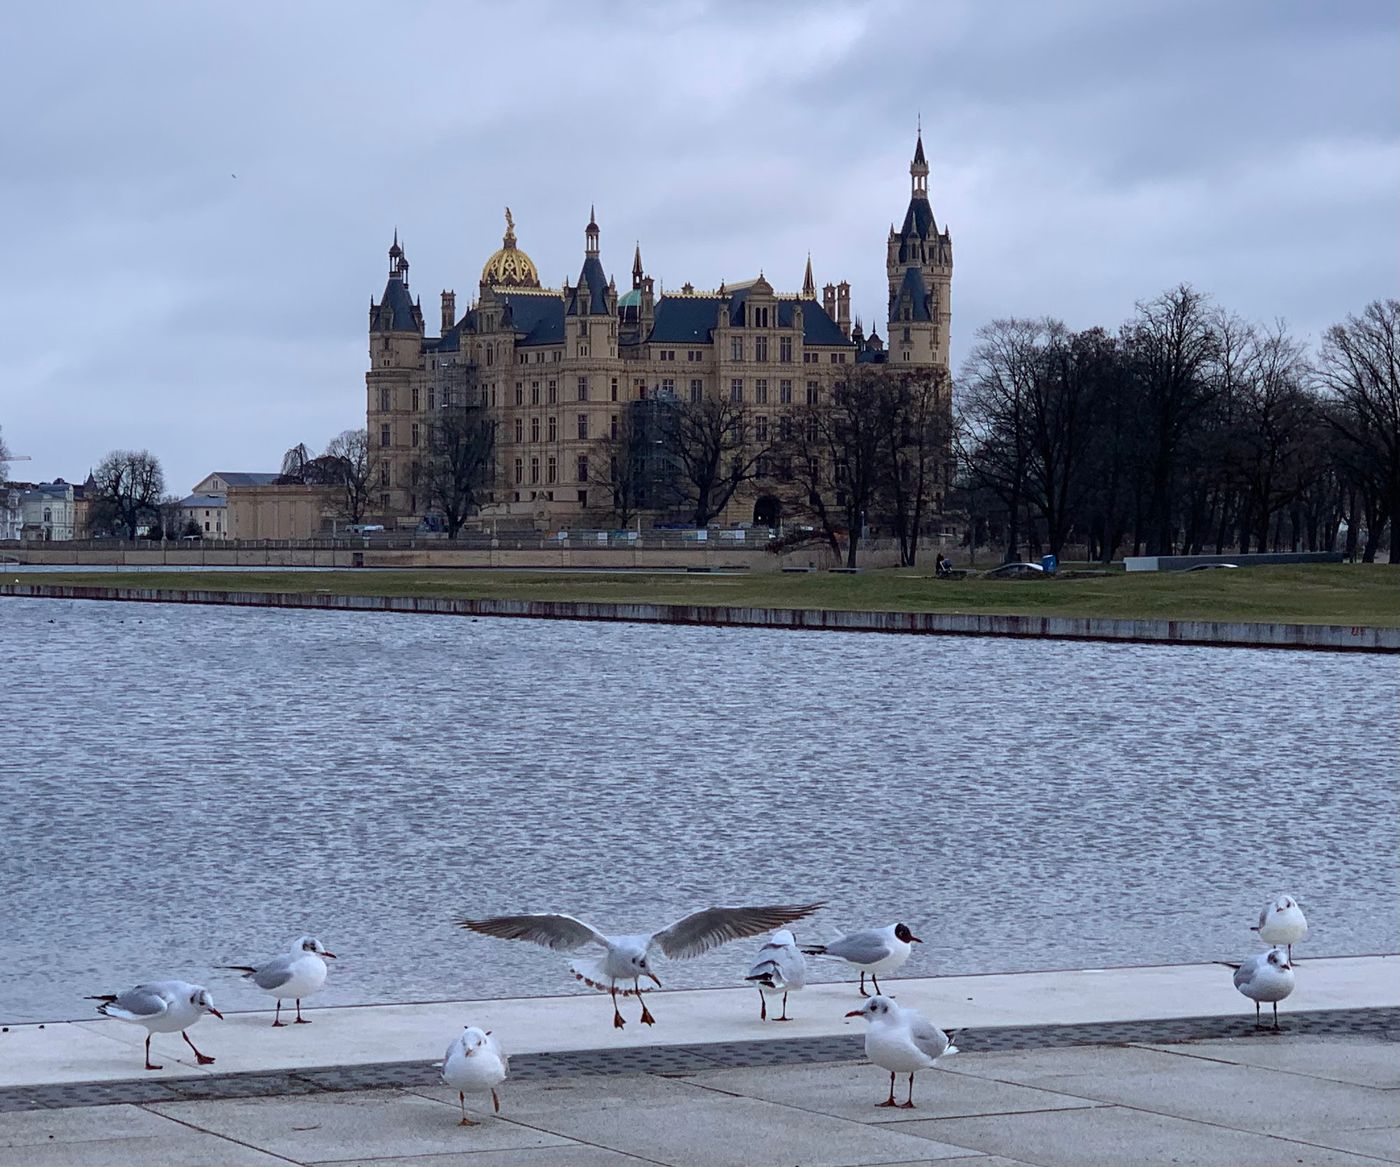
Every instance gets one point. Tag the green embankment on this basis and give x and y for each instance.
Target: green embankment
(1347, 594)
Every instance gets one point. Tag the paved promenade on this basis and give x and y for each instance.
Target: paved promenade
(1115, 1066)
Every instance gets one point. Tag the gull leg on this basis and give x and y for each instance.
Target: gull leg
(890, 1100)
(618, 1023)
(784, 1017)
(1276, 1028)
(863, 993)
(762, 1006)
(908, 1104)
(300, 1019)
(647, 1018)
(1256, 1015)
(874, 980)
(148, 1055)
(495, 1102)
(462, 1098)
(202, 1059)
(277, 1021)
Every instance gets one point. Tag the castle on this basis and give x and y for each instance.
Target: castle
(555, 366)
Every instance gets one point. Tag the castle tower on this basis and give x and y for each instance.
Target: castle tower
(919, 264)
(391, 414)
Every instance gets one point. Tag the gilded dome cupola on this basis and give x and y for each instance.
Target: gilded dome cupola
(510, 267)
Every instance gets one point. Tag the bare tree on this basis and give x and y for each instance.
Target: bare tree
(127, 487)
(4, 461)
(1360, 371)
(354, 468)
(635, 463)
(715, 451)
(461, 463)
(294, 463)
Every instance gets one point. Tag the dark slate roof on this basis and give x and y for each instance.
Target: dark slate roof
(204, 500)
(918, 220)
(540, 318)
(247, 478)
(919, 151)
(396, 308)
(913, 288)
(691, 319)
(595, 280)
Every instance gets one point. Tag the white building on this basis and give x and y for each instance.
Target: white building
(44, 511)
(209, 512)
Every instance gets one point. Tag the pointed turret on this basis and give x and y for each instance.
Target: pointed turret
(591, 294)
(809, 285)
(590, 234)
(637, 269)
(396, 311)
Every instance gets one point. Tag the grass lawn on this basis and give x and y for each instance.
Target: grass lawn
(1347, 594)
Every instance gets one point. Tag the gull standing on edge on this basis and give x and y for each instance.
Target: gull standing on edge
(901, 1041)
(873, 951)
(1265, 976)
(162, 1007)
(296, 975)
(1282, 924)
(474, 1061)
(781, 968)
(625, 957)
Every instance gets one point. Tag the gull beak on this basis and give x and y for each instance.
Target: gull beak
(855, 1013)
(915, 940)
(216, 1013)
(653, 977)
(328, 955)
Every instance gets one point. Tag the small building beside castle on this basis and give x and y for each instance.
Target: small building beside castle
(557, 367)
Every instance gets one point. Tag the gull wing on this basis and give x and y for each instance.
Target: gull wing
(928, 1037)
(274, 974)
(1246, 971)
(860, 947)
(548, 929)
(144, 1000)
(701, 931)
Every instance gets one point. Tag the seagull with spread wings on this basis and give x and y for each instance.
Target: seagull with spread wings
(625, 959)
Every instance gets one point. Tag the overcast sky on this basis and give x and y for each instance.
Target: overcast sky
(198, 198)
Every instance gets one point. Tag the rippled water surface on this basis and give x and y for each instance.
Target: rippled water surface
(185, 787)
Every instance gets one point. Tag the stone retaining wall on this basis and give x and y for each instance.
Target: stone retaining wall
(1326, 637)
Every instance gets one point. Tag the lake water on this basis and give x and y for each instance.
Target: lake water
(184, 787)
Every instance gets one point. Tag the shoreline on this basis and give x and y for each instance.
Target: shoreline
(1193, 633)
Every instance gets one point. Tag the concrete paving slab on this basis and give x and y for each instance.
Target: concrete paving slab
(682, 1125)
(1342, 1059)
(1111, 1136)
(100, 1136)
(324, 1128)
(1382, 1142)
(357, 1035)
(851, 1091)
(572, 1155)
(1243, 1097)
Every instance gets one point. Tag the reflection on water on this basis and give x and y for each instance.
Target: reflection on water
(186, 787)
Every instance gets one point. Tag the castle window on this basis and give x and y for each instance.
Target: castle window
(760, 391)
(519, 471)
(906, 354)
(583, 388)
(413, 432)
(534, 429)
(385, 345)
(760, 317)
(810, 358)
(553, 429)
(490, 355)
(760, 427)
(416, 404)
(906, 336)
(784, 392)
(552, 392)
(384, 435)
(811, 429)
(811, 393)
(519, 393)
(385, 399)
(534, 471)
(760, 344)
(697, 390)
(785, 348)
(694, 355)
(534, 392)
(432, 397)
(736, 390)
(668, 386)
(612, 427)
(519, 429)
(383, 502)
(583, 476)
(383, 475)
(784, 428)
(583, 427)
(614, 389)
(551, 469)
(736, 348)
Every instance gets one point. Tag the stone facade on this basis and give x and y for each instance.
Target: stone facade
(274, 511)
(556, 368)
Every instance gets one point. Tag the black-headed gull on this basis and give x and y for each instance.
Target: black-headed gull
(625, 958)
(1264, 977)
(873, 951)
(1282, 923)
(297, 974)
(162, 1007)
(780, 968)
(474, 1061)
(902, 1042)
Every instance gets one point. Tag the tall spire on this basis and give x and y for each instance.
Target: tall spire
(590, 234)
(637, 270)
(918, 169)
(809, 285)
(395, 255)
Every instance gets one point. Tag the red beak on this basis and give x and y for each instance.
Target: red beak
(855, 1013)
(216, 1013)
(328, 955)
(915, 940)
(653, 977)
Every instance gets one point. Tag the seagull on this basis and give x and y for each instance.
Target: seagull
(474, 1061)
(1282, 923)
(781, 968)
(162, 1007)
(1265, 976)
(296, 975)
(901, 1041)
(625, 957)
(874, 951)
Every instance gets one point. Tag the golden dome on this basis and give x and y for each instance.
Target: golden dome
(510, 267)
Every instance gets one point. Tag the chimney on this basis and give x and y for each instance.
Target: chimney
(843, 307)
(829, 299)
(449, 310)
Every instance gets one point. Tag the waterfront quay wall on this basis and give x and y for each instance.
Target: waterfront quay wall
(1214, 633)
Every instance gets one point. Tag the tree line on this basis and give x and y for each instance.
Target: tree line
(1188, 430)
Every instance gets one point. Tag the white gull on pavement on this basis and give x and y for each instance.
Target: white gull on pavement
(295, 975)
(1264, 977)
(901, 1041)
(780, 968)
(162, 1007)
(874, 951)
